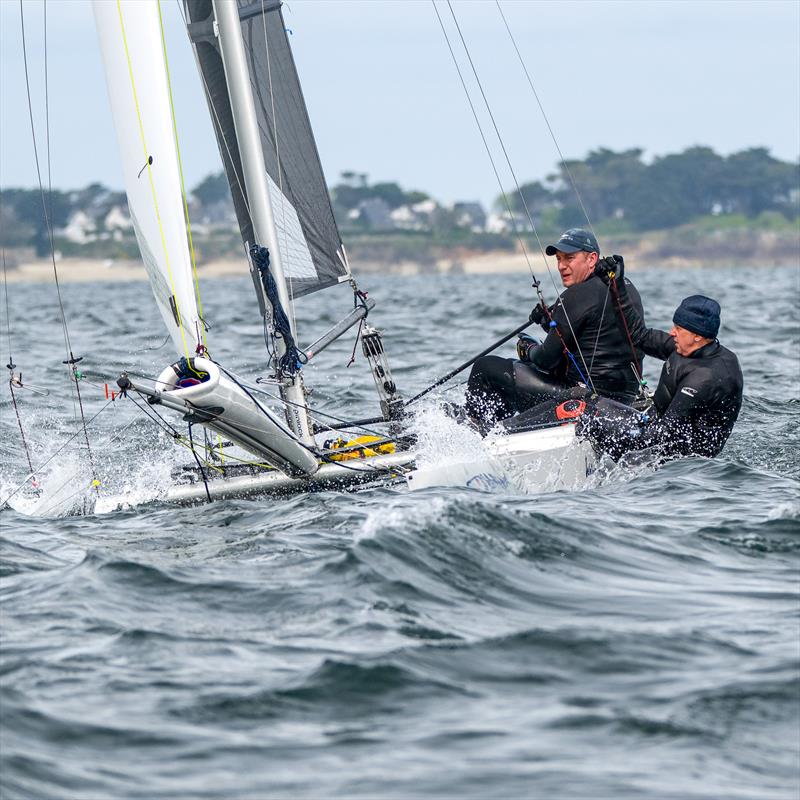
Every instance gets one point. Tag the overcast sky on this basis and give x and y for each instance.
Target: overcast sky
(385, 99)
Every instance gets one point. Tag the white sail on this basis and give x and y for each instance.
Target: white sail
(138, 88)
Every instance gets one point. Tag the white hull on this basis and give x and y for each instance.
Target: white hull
(382, 469)
(545, 460)
(222, 405)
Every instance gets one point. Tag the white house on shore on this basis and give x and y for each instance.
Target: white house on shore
(82, 228)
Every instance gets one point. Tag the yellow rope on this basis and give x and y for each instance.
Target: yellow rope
(182, 440)
(150, 177)
(183, 184)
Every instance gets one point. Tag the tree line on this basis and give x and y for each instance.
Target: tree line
(670, 191)
(617, 188)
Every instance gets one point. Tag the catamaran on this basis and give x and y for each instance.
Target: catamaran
(292, 246)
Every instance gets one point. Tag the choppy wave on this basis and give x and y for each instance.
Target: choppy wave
(636, 639)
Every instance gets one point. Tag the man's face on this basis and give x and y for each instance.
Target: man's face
(686, 342)
(575, 267)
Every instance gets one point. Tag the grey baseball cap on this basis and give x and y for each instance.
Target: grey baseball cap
(573, 241)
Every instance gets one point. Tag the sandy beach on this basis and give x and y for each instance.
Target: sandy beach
(81, 270)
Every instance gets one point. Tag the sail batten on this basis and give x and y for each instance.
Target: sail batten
(307, 234)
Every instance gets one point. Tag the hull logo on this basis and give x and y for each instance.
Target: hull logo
(487, 482)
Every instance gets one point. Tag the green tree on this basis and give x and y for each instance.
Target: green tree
(212, 189)
(534, 195)
(754, 181)
(349, 194)
(27, 206)
(602, 184)
(676, 188)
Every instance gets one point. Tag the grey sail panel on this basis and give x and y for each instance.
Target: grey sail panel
(312, 253)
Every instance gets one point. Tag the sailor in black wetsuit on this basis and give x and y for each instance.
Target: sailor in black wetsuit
(584, 348)
(699, 394)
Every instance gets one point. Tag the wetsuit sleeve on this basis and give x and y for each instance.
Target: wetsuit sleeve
(653, 342)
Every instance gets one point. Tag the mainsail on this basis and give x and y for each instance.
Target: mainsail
(312, 253)
(138, 88)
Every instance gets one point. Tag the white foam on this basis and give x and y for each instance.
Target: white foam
(785, 511)
(397, 514)
(441, 440)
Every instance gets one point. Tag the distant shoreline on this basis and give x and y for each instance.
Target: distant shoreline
(84, 270)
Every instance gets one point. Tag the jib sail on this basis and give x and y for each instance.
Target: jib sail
(130, 40)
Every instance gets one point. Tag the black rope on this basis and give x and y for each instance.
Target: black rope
(293, 358)
(19, 422)
(618, 302)
(11, 366)
(314, 413)
(506, 202)
(359, 299)
(199, 464)
(155, 417)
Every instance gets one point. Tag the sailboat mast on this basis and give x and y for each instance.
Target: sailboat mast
(226, 13)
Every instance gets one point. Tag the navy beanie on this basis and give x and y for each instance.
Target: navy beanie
(699, 315)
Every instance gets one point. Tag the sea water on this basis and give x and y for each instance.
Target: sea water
(639, 638)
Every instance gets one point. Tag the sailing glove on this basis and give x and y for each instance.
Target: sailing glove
(608, 267)
(539, 315)
(525, 346)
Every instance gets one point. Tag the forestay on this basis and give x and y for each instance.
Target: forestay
(138, 88)
(312, 253)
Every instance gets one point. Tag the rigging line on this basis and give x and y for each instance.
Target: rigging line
(218, 123)
(5, 287)
(499, 138)
(71, 361)
(278, 160)
(19, 422)
(161, 422)
(49, 160)
(313, 451)
(202, 332)
(41, 187)
(11, 362)
(199, 465)
(182, 441)
(564, 165)
(61, 502)
(59, 450)
(546, 120)
(314, 413)
(536, 283)
(618, 302)
(599, 327)
(148, 163)
(488, 149)
(148, 349)
(516, 183)
(47, 115)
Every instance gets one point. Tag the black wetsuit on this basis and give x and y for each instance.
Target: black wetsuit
(584, 316)
(696, 403)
